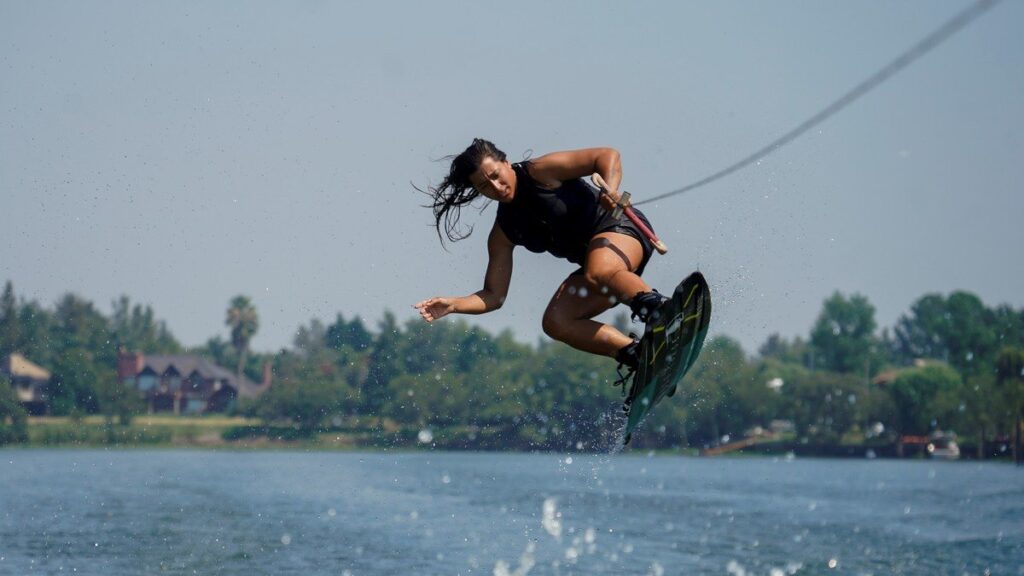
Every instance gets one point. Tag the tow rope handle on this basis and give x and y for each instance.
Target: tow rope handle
(623, 206)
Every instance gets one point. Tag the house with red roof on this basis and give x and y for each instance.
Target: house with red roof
(186, 383)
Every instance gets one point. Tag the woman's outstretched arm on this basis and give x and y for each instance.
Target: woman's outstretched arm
(496, 283)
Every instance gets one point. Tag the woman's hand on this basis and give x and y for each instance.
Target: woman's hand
(433, 308)
(609, 199)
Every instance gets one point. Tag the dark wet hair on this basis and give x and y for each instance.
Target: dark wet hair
(455, 191)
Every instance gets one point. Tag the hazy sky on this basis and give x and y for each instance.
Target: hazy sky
(185, 152)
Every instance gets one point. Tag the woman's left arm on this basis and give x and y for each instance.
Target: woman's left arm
(553, 169)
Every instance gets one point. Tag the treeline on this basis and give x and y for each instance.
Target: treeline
(949, 363)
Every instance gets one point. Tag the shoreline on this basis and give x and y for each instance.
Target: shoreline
(312, 447)
(159, 432)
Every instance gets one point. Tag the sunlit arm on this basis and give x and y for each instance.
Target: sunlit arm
(496, 283)
(553, 169)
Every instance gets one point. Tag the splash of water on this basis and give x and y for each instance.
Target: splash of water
(612, 427)
(526, 562)
(551, 521)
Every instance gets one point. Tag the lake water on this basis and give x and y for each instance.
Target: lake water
(210, 512)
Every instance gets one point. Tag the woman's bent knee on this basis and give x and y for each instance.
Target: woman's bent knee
(553, 327)
(605, 280)
(597, 279)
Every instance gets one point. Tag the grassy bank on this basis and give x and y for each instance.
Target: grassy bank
(143, 431)
(218, 431)
(239, 432)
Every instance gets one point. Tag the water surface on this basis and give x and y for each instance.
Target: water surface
(97, 512)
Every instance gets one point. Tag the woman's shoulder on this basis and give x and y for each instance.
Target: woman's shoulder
(535, 177)
(523, 167)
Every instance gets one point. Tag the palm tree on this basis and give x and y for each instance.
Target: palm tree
(1010, 376)
(244, 322)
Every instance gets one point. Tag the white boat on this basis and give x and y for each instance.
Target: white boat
(944, 448)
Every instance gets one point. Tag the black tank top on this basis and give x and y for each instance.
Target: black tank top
(560, 221)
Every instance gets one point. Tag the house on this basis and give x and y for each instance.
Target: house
(185, 384)
(28, 380)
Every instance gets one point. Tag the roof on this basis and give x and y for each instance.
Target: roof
(186, 364)
(16, 365)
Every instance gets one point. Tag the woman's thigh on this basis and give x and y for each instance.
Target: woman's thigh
(613, 263)
(613, 252)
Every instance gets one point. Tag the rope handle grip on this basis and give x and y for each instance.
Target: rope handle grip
(623, 205)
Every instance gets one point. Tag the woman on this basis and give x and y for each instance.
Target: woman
(546, 206)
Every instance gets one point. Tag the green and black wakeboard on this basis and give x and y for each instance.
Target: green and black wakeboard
(669, 348)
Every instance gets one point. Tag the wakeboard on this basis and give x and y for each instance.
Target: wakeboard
(670, 346)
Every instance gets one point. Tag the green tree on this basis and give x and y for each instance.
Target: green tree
(771, 383)
(117, 401)
(884, 353)
(974, 343)
(72, 385)
(305, 405)
(913, 392)
(135, 327)
(77, 324)
(1008, 326)
(13, 419)
(244, 321)
(843, 335)
(786, 351)
(958, 330)
(83, 355)
(1010, 378)
(38, 339)
(570, 390)
(311, 347)
(824, 405)
(924, 331)
(351, 334)
(472, 346)
(311, 340)
(710, 391)
(385, 363)
(219, 350)
(439, 399)
(507, 383)
(971, 407)
(10, 336)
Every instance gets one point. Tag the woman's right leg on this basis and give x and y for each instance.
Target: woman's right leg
(569, 318)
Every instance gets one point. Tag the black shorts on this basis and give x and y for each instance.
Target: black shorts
(623, 225)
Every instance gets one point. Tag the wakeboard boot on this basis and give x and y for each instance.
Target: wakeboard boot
(647, 307)
(629, 361)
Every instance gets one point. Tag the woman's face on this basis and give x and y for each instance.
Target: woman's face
(495, 179)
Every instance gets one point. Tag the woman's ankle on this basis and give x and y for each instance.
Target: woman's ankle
(645, 305)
